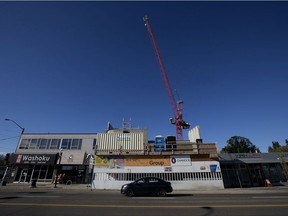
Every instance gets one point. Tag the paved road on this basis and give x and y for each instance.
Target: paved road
(48, 201)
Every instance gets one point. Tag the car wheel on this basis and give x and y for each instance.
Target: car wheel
(162, 193)
(69, 182)
(129, 192)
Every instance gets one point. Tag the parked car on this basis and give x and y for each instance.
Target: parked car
(147, 186)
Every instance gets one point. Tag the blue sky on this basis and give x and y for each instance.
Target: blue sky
(70, 67)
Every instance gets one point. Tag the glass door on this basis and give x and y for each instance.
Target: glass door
(23, 175)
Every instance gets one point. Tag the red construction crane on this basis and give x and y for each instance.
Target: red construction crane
(177, 107)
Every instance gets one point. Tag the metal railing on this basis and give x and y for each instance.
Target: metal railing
(170, 149)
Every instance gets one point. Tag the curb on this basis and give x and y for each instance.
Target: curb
(84, 187)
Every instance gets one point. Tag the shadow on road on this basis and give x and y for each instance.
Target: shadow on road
(209, 210)
(11, 197)
(179, 195)
(32, 192)
(167, 195)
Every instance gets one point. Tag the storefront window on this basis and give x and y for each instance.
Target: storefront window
(66, 143)
(76, 144)
(24, 144)
(33, 144)
(73, 144)
(44, 144)
(55, 143)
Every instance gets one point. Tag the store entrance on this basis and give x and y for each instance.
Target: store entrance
(256, 175)
(24, 177)
(40, 173)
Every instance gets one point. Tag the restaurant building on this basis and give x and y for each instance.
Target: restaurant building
(41, 156)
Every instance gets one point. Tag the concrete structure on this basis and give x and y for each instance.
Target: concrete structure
(185, 172)
(41, 156)
(194, 134)
(123, 156)
(116, 157)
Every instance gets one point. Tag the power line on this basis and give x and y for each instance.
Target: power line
(9, 138)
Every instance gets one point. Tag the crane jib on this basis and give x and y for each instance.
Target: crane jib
(177, 108)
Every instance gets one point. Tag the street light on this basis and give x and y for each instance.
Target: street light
(16, 124)
(22, 129)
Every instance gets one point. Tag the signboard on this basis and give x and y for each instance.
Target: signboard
(213, 167)
(183, 160)
(248, 155)
(168, 169)
(104, 161)
(46, 159)
(120, 161)
(147, 162)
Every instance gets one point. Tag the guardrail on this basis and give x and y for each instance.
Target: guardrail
(170, 149)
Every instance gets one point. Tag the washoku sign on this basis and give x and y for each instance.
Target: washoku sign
(46, 159)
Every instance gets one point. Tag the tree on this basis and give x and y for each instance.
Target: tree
(276, 147)
(238, 144)
(2, 157)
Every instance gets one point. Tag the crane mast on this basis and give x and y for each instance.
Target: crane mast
(176, 107)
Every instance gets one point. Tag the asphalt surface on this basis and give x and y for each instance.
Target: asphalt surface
(84, 187)
(72, 200)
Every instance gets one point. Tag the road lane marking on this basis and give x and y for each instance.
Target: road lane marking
(142, 206)
(39, 196)
(270, 197)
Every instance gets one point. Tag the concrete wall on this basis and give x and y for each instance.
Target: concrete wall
(201, 176)
(69, 156)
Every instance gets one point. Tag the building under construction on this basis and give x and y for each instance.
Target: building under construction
(124, 154)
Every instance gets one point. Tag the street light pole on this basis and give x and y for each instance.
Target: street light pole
(22, 129)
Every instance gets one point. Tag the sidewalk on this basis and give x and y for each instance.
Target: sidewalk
(84, 187)
(46, 186)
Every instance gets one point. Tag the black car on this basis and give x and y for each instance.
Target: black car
(147, 186)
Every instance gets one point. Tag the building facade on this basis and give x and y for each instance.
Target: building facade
(41, 156)
(183, 171)
(119, 156)
(253, 169)
(122, 156)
